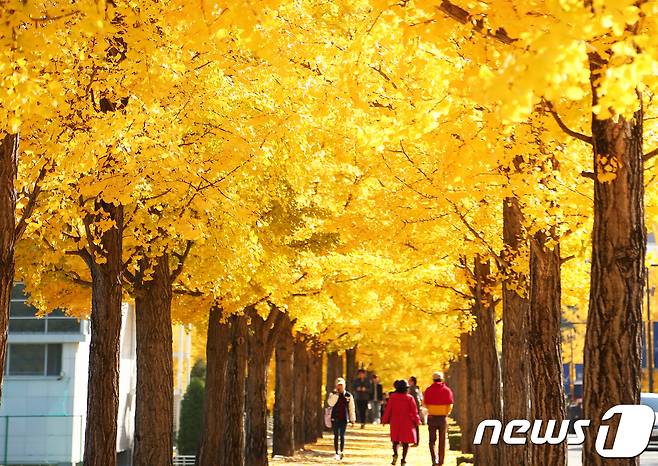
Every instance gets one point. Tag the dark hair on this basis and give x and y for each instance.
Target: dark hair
(361, 371)
(414, 379)
(401, 386)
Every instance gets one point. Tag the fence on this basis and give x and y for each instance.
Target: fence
(185, 460)
(41, 439)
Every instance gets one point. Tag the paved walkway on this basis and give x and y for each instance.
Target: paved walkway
(367, 447)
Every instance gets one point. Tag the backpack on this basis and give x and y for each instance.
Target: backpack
(327, 417)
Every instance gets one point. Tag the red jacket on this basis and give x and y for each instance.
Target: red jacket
(402, 413)
(438, 398)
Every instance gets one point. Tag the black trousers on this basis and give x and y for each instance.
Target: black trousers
(339, 434)
(361, 410)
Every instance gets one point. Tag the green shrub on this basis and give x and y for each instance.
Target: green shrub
(464, 460)
(191, 418)
(198, 370)
(455, 441)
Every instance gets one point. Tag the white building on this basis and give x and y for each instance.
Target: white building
(44, 395)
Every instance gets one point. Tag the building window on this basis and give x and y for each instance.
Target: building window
(34, 359)
(23, 317)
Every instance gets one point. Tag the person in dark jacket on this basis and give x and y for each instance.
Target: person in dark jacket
(361, 387)
(402, 414)
(342, 410)
(377, 396)
(417, 394)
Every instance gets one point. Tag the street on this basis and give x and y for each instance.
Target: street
(648, 458)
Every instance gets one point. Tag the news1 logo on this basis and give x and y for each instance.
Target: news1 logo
(636, 423)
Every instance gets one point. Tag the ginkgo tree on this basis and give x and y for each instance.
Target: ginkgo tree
(344, 173)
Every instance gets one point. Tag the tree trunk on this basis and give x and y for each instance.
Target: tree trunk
(334, 370)
(8, 170)
(262, 336)
(515, 359)
(311, 400)
(350, 367)
(283, 437)
(614, 321)
(515, 368)
(484, 370)
(217, 344)
(463, 397)
(300, 360)
(256, 417)
(223, 437)
(319, 396)
(103, 382)
(547, 401)
(154, 415)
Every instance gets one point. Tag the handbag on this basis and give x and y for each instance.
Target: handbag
(327, 417)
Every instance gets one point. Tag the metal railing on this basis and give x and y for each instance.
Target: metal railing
(184, 460)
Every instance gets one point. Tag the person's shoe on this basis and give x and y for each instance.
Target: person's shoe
(403, 462)
(337, 457)
(363, 426)
(341, 455)
(395, 460)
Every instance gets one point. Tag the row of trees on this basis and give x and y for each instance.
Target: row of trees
(342, 172)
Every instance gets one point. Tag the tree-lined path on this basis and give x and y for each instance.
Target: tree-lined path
(367, 447)
(321, 185)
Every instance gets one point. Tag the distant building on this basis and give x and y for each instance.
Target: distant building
(44, 396)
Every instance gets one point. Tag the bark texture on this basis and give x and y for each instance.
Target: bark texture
(223, 437)
(312, 393)
(283, 436)
(350, 367)
(614, 321)
(483, 366)
(8, 168)
(334, 370)
(103, 384)
(262, 336)
(154, 415)
(319, 395)
(545, 346)
(301, 361)
(515, 357)
(463, 397)
(457, 379)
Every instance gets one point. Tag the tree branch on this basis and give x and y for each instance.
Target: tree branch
(186, 292)
(649, 155)
(181, 260)
(565, 128)
(464, 17)
(31, 203)
(499, 260)
(567, 259)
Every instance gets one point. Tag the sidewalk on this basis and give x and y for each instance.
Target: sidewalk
(367, 447)
(648, 458)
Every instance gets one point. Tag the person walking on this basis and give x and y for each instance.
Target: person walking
(341, 403)
(376, 396)
(361, 387)
(415, 392)
(402, 414)
(438, 401)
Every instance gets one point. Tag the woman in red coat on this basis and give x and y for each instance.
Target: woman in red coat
(402, 414)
